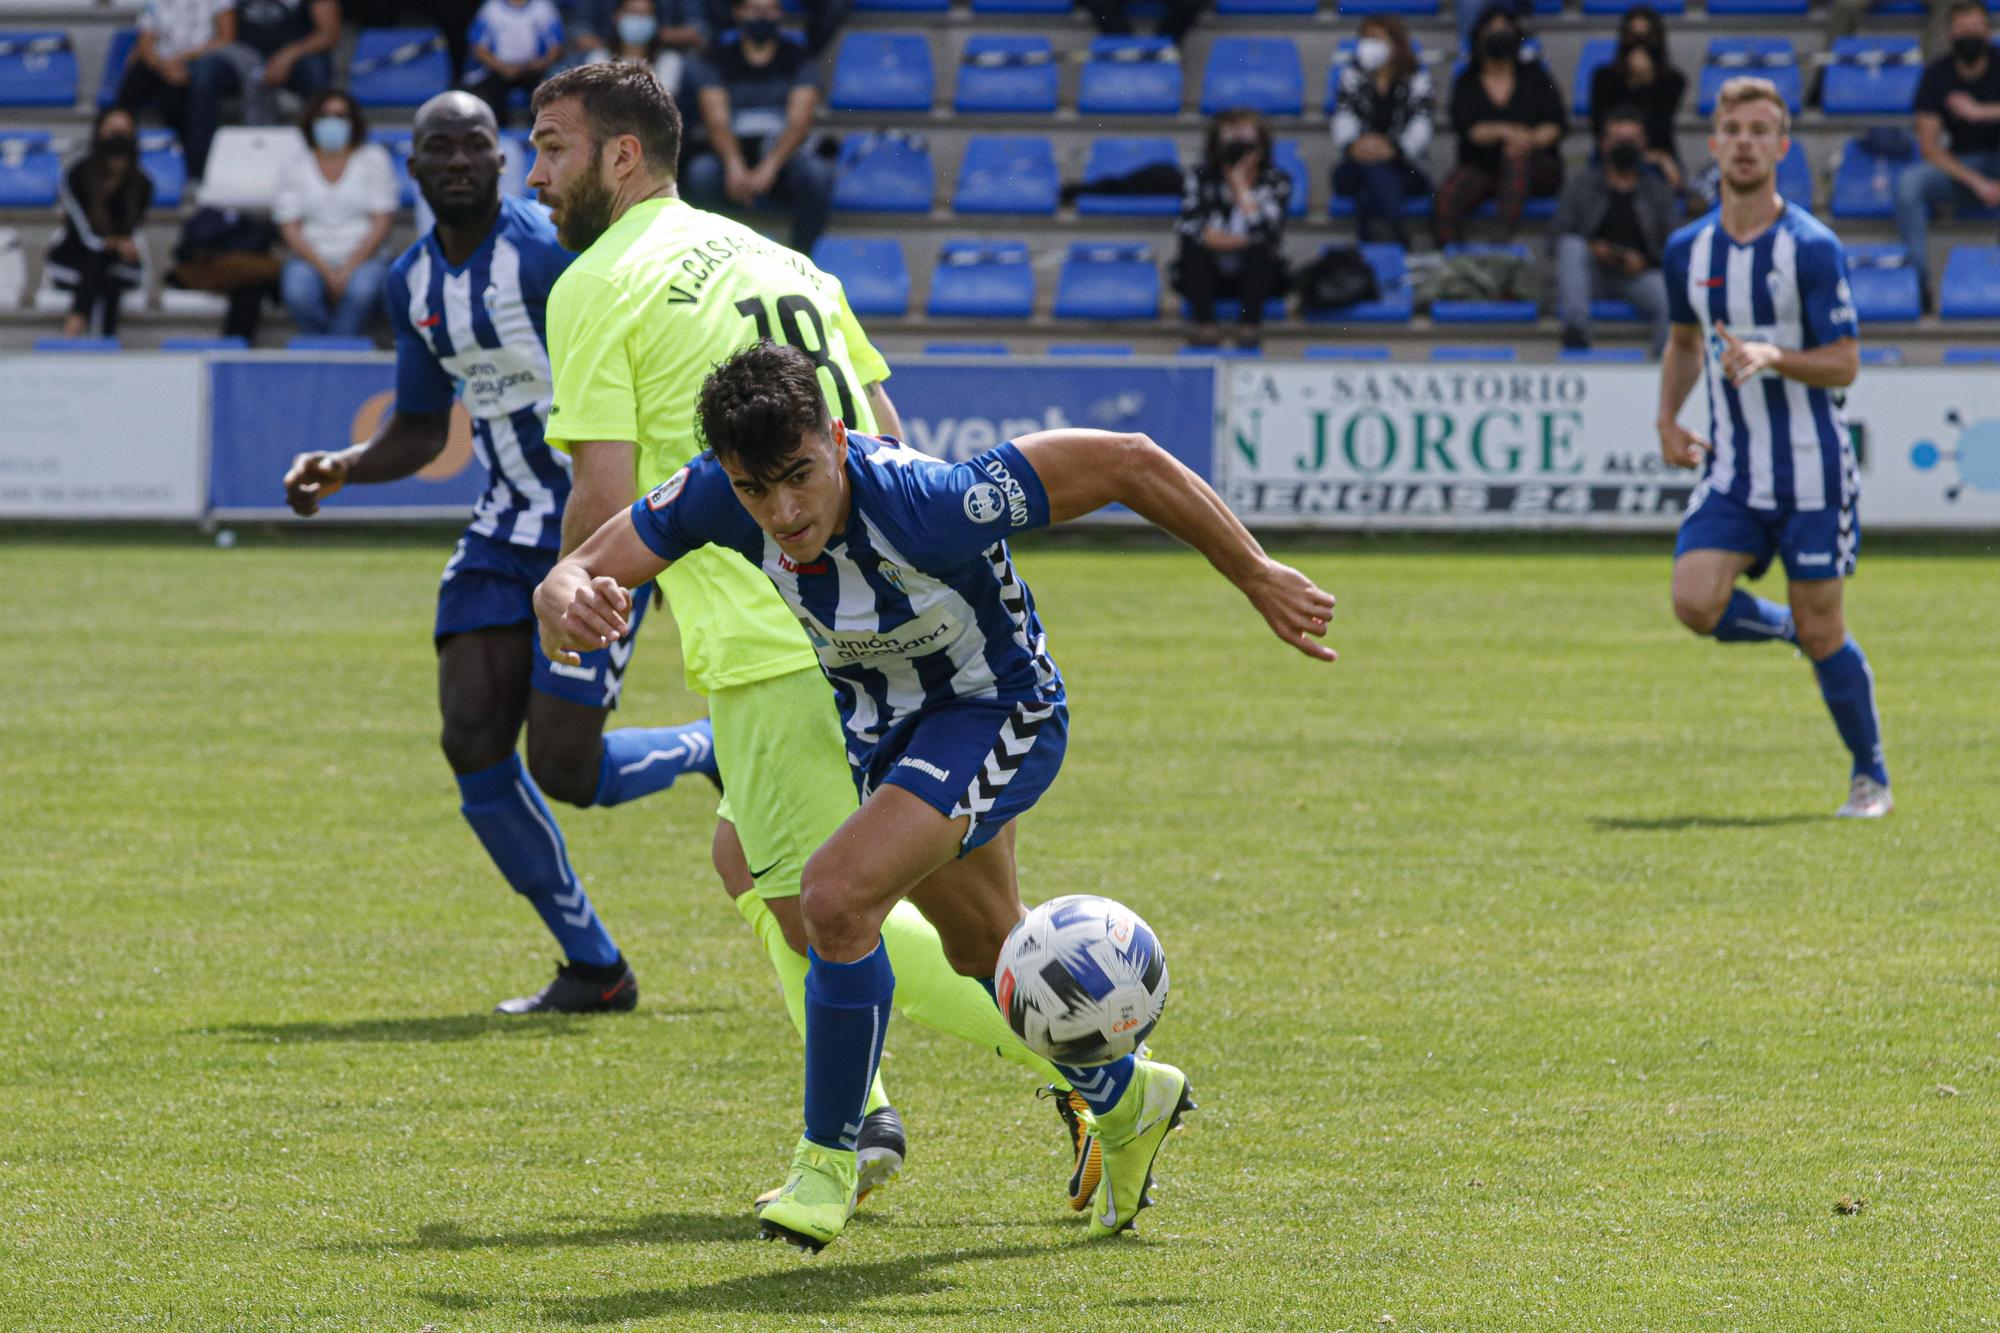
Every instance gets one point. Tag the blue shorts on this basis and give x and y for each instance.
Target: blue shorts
(490, 584)
(1814, 543)
(984, 758)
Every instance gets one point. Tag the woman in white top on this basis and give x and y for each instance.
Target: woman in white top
(335, 202)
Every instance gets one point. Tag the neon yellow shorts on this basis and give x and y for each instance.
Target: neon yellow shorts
(785, 777)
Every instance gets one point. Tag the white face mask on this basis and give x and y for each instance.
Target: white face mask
(1371, 53)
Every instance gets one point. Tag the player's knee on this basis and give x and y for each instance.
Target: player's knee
(471, 744)
(1699, 613)
(1820, 637)
(566, 773)
(834, 908)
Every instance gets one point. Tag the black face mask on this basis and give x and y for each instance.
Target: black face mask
(1499, 46)
(1969, 49)
(1624, 155)
(116, 145)
(1234, 151)
(760, 31)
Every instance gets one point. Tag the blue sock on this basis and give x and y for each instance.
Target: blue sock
(1753, 620)
(1101, 1085)
(1848, 687)
(639, 761)
(511, 819)
(847, 1015)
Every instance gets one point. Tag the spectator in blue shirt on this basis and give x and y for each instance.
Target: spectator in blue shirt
(511, 45)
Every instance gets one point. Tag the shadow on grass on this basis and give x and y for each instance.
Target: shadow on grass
(433, 1027)
(1671, 823)
(645, 1229)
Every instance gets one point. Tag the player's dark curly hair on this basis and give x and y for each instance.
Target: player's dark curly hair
(620, 98)
(756, 406)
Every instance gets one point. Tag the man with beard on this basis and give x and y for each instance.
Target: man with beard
(467, 303)
(659, 293)
(1757, 293)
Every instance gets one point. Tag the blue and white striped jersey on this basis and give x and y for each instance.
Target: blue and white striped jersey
(1778, 443)
(476, 332)
(916, 604)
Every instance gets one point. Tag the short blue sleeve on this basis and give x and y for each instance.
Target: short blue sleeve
(421, 383)
(960, 510)
(1825, 300)
(1674, 268)
(691, 509)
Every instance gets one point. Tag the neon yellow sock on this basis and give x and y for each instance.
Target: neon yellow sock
(791, 970)
(928, 991)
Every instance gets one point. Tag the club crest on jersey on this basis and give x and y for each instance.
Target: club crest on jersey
(663, 494)
(891, 575)
(983, 503)
(1010, 486)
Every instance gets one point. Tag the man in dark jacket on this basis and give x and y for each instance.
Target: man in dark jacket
(1610, 232)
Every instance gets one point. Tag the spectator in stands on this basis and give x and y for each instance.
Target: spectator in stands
(1176, 17)
(758, 91)
(104, 200)
(333, 206)
(1382, 128)
(1232, 229)
(1610, 232)
(640, 36)
(823, 19)
(173, 34)
(279, 44)
(1642, 76)
(511, 45)
(1960, 96)
(1508, 113)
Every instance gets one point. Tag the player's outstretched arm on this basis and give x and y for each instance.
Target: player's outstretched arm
(1680, 369)
(1084, 470)
(403, 445)
(583, 604)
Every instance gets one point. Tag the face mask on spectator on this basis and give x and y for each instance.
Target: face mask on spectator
(1624, 155)
(760, 30)
(331, 133)
(1499, 45)
(1235, 150)
(1371, 53)
(1969, 49)
(117, 145)
(637, 29)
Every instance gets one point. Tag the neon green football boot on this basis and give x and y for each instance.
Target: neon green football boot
(1131, 1134)
(816, 1200)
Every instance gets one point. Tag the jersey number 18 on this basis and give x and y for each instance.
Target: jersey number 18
(791, 310)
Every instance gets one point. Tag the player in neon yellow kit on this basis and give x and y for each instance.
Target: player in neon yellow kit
(659, 293)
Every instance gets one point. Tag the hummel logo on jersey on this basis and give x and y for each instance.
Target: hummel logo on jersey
(791, 566)
(430, 321)
(923, 766)
(663, 494)
(1824, 558)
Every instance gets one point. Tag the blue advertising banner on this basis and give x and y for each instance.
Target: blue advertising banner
(263, 410)
(956, 410)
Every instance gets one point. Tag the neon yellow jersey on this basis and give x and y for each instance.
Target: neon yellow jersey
(634, 326)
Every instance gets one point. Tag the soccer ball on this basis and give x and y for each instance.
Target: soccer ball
(1082, 980)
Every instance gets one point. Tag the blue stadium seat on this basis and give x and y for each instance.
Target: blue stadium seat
(1475, 352)
(1301, 8)
(883, 71)
(330, 342)
(885, 173)
(1226, 311)
(1131, 76)
(1221, 353)
(1884, 283)
(30, 170)
(160, 157)
(1484, 312)
(1970, 288)
(1287, 157)
(1007, 173)
(398, 67)
(1972, 356)
(76, 344)
(1605, 354)
(1105, 280)
(1114, 155)
(1615, 8)
(1409, 8)
(1613, 312)
(982, 280)
(1900, 8)
(1536, 208)
(1872, 76)
(1058, 7)
(115, 56)
(1795, 180)
(1090, 349)
(1888, 356)
(872, 271)
(966, 349)
(1767, 57)
(37, 69)
(1864, 182)
(1262, 73)
(1775, 8)
(1345, 352)
(1416, 206)
(398, 144)
(1007, 74)
(231, 343)
(1393, 306)
(903, 6)
(1597, 53)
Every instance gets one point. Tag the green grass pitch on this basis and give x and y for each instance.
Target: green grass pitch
(1523, 980)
